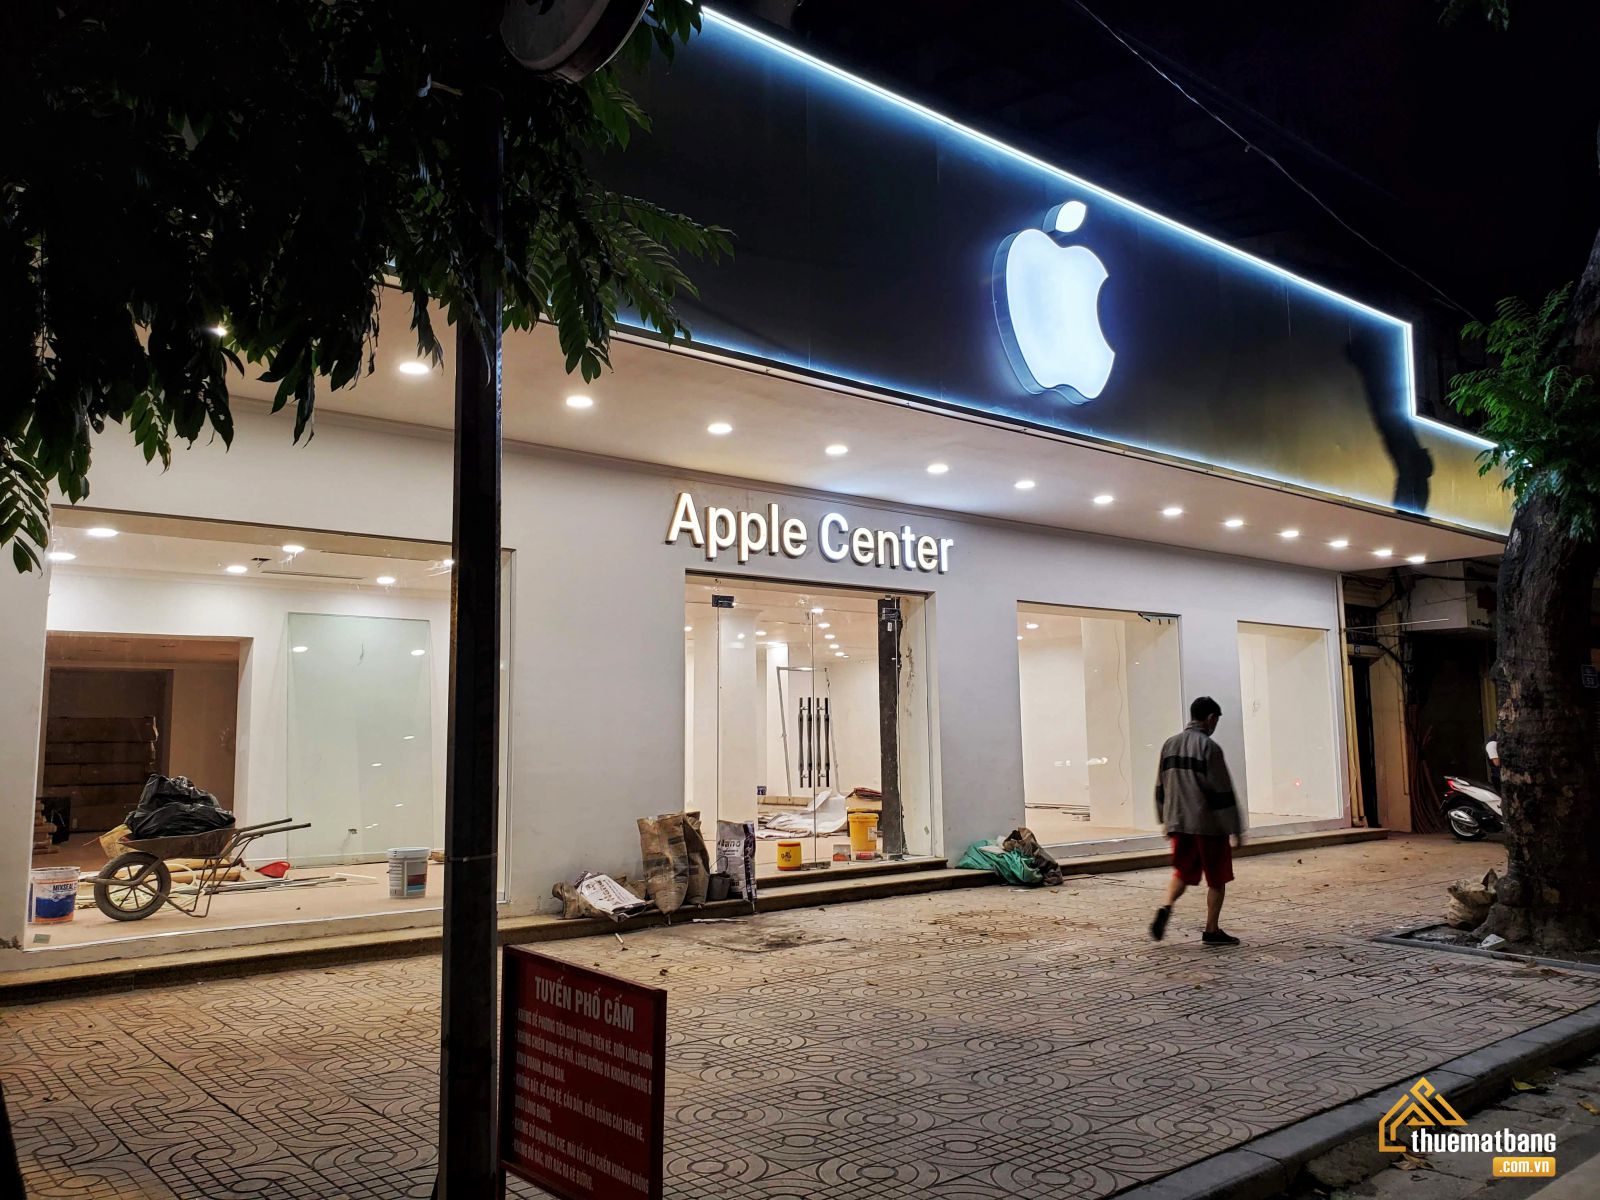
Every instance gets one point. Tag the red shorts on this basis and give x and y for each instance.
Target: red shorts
(1194, 854)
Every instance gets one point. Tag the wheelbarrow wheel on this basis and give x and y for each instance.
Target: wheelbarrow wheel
(132, 886)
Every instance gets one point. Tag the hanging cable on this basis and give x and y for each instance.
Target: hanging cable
(1251, 146)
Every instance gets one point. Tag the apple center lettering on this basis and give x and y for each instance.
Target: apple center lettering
(746, 534)
(1047, 303)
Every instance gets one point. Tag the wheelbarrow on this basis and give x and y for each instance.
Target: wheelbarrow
(136, 883)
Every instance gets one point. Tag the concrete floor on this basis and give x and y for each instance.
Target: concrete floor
(362, 891)
(959, 1045)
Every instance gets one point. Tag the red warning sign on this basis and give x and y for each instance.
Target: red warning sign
(582, 1110)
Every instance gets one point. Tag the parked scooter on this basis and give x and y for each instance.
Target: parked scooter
(1474, 810)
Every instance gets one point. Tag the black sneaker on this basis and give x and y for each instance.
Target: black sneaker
(1218, 938)
(1158, 927)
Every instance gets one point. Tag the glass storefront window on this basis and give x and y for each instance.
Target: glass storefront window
(786, 713)
(291, 673)
(1286, 702)
(1101, 691)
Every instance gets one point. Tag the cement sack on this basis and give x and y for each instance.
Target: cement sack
(666, 860)
(1470, 900)
(736, 856)
(699, 861)
(601, 896)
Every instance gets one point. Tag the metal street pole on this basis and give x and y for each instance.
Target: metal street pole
(468, 1165)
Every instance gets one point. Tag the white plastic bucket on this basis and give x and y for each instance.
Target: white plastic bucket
(52, 895)
(408, 873)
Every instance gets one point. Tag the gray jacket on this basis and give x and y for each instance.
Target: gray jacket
(1194, 792)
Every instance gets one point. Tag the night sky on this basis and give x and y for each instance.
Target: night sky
(1466, 152)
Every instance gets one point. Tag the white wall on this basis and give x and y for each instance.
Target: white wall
(22, 601)
(597, 685)
(1055, 739)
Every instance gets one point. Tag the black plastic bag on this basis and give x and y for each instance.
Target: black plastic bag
(174, 807)
(176, 820)
(160, 790)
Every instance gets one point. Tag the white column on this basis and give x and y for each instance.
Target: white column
(23, 599)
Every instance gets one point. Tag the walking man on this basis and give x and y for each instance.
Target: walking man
(1196, 805)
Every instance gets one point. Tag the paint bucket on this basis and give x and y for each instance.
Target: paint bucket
(863, 834)
(718, 886)
(790, 857)
(408, 873)
(841, 852)
(52, 895)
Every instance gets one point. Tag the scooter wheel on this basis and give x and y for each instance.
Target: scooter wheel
(1464, 824)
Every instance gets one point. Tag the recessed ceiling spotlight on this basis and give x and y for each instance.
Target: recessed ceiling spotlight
(292, 548)
(1172, 510)
(447, 563)
(61, 556)
(1290, 534)
(1104, 498)
(410, 737)
(1032, 625)
(836, 450)
(580, 402)
(817, 611)
(824, 624)
(299, 649)
(719, 429)
(938, 468)
(385, 581)
(1019, 637)
(740, 636)
(413, 367)
(1024, 485)
(1416, 558)
(840, 654)
(828, 637)
(761, 633)
(236, 569)
(379, 765)
(101, 531)
(688, 628)
(1339, 544)
(1234, 523)
(1386, 552)
(418, 653)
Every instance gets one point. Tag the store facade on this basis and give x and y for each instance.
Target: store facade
(1069, 463)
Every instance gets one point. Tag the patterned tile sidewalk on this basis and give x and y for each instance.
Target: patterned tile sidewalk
(960, 1045)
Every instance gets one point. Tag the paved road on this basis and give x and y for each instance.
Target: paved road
(963, 1045)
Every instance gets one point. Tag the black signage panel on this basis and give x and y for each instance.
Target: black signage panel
(881, 244)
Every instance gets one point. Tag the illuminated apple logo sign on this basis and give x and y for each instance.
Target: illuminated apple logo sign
(1046, 300)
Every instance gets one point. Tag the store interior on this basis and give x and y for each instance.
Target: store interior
(785, 711)
(1290, 761)
(292, 675)
(1101, 692)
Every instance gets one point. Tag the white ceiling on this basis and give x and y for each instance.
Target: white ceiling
(201, 549)
(656, 404)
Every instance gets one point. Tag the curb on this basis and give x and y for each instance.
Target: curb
(1264, 1166)
(803, 890)
(1410, 941)
(123, 974)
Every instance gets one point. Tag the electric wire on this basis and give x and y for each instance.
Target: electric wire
(1251, 146)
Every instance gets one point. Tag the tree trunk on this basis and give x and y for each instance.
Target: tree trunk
(1549, 775)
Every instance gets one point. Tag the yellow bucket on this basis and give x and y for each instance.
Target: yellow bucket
(790, 857)
(864, 834)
